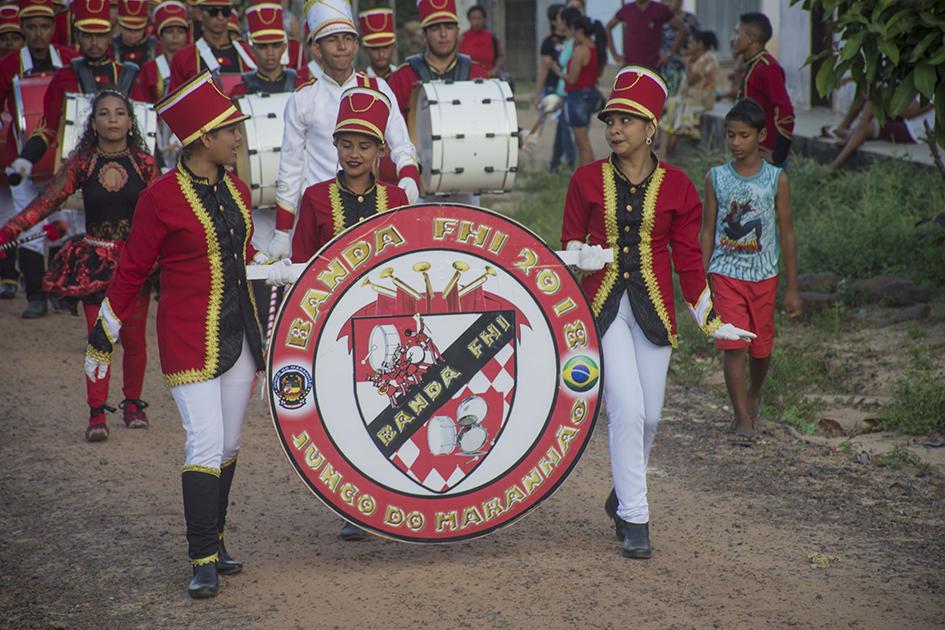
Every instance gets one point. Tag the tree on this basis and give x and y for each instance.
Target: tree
(893, 49)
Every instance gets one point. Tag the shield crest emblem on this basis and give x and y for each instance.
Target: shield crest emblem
(454, 420)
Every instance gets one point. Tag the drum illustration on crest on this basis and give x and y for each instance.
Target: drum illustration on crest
(436, 339)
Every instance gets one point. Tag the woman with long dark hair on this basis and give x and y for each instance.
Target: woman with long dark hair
(584, 68)
(110, 166)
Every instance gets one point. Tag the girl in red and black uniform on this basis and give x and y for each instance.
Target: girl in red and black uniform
(647, 212)
(110, 166)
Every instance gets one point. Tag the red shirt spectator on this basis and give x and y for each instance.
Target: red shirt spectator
(480, 43)
(643, 31)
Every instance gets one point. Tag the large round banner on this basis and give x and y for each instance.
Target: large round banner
(434, 373)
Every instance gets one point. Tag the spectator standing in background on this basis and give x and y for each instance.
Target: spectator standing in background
(643, 22)
(580, 77)
(546, 82)
(480, 43)
(764, 84)
(696, 93)
(674, 69)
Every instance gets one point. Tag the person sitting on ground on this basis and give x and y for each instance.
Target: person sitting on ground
(906, 129)
(696, 94)
(747, 206)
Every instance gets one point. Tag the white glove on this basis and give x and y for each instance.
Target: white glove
(280, 246)
(592, 258)
(22, 167)
(732, 333)
(280, 273)
(95, 369)
(409, 186)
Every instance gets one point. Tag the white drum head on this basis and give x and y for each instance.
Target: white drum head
(415, 354)
(383, 343)
(473, 439)
(441, 435)
(472, 410)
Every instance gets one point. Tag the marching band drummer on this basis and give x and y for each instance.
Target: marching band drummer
(11, 35)
(170, 24)
(307, 155)
(133, 43)
(38, 57)
(379, 39)
(193, 223)
(353, 194)
(268, 39)
(213, 51)
(88, 74)
(110, 166)
(440, 59)
(647, 212)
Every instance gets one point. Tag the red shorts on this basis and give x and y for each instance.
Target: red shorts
(747, 305)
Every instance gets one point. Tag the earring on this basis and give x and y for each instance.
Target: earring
(649, 140)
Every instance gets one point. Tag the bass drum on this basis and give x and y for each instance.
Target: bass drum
(28, 96)
(258, 161)
(384, 343)
(466, 134)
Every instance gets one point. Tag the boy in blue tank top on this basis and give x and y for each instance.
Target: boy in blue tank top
(746, 226)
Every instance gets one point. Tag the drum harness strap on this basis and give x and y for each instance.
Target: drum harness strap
(210, 60)
(88, 85)
(152, 47)
(26, 59)
(459, 72)
(254, 85)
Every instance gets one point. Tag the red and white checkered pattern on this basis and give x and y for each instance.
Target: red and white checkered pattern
(494, 383)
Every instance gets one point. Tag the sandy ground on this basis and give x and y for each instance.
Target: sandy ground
(94, 534)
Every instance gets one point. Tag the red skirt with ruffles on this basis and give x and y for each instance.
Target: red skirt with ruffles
(83, 269)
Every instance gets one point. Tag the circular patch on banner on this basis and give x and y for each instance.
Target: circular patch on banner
(434, 373)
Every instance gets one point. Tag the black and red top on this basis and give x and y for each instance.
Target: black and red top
(110, 185)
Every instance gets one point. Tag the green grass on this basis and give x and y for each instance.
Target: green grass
(918, 404)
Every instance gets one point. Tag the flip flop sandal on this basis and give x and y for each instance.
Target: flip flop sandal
(742, 439)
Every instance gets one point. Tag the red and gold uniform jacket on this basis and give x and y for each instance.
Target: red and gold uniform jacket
(764, 84)
(416, 69)
(155, 77)
(647, 225)
(328, 208)
(188, 62)
(199, 236)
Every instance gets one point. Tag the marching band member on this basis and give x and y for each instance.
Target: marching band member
(648, 212)
(88, 74)
(62, 33)
(214, 51)
(330, 207)
(268, 40)
(111, 166)
(193, 222)
(307, 156)
(379, 39)
(170, 24)
(233, 27)
(11, 35)
(133, 42)
(440, 60)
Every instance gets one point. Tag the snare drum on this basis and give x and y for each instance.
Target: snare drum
(258, 163)
(466, 134)
(441, 435)
(28, 93)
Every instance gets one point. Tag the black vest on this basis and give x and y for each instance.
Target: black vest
(459, 72)
(256, 85)
(88, 84)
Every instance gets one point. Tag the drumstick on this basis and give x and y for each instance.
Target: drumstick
(26, 239)
(460, 267)
(478, 282)
(273, 298)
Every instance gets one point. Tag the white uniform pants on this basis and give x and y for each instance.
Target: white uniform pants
(634, 387)
(264, 226)
(212, 412)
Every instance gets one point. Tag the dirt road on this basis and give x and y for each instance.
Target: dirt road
(93, 535)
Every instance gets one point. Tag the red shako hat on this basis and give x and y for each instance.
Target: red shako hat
(265, 22)
(377, 27)
(363, 110)
(170, 13)
(638, 91)
(196, 108)
(133, 14)
(36, 8)
(91, 16)
(437, 12)
(10, 19)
